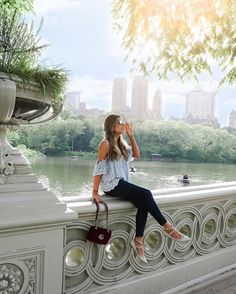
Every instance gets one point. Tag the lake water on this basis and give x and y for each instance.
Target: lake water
(73, 177)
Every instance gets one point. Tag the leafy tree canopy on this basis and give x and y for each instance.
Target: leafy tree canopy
(19, 5)
(179, 37)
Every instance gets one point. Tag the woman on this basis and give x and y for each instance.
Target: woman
(111, 173)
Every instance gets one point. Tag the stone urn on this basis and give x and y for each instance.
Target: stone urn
(21, 103)
(24, 102)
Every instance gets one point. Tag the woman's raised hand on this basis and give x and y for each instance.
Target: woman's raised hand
(129, 129)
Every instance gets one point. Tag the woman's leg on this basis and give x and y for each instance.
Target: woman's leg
(142, 198)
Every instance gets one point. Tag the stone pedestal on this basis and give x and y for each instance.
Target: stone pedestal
(32, 224)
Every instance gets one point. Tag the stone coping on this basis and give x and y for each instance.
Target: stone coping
(165, 198)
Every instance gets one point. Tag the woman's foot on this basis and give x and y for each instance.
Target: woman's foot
(137, 244)
(173, 233)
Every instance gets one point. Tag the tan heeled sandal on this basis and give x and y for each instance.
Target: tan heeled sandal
(136, 247)
(183, 237)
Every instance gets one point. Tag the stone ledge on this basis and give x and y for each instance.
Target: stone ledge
(84, 205)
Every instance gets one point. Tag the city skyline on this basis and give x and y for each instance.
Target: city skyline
(157, 105)
(199, 103)
(139, 97)
(119, 93)
(232, 119)
(139, 107)
(84, 24)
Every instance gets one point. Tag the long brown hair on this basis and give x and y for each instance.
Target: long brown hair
(115, 152)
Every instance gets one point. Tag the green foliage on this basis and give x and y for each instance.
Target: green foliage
(19, 45)
(175, 37)
(29, 153)
(52, 80)
(97, 138)
(20, 48)
(73, 134)
(55, 137)
(19, 5)
(15, 138)
(85, 138)
(181, 141)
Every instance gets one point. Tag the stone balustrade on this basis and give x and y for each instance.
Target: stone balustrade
(206, 213)
(43, 247)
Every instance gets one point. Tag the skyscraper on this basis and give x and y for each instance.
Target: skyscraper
(119, 95)
(139, 99)
(157, 105)
(73, 99)
(232, 119)
(200, 104)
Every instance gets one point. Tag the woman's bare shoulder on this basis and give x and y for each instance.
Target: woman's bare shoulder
(104, 144)
(103, 149)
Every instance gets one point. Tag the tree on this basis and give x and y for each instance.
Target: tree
(97, 138)
(178, 37)
(74, 128)
(19, 5)
(20, 49)
(87, 135)
(54, 138)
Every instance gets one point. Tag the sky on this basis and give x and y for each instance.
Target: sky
(82, 40)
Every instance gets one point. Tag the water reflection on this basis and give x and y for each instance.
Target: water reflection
(67, 176)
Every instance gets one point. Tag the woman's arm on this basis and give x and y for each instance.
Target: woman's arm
(103, 149)
(134, 145)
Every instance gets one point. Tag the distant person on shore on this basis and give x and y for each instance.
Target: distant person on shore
(111, 173)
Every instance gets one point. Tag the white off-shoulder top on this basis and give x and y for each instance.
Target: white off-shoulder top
(112, 171)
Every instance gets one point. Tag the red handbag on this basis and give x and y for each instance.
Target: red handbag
(96, 234)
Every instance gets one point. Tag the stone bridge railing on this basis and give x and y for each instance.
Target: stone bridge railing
(43, 247)
(206, 213)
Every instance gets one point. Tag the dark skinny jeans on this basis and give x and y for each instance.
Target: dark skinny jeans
(142, 198)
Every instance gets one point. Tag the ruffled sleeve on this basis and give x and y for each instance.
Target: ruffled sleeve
(100, 168)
